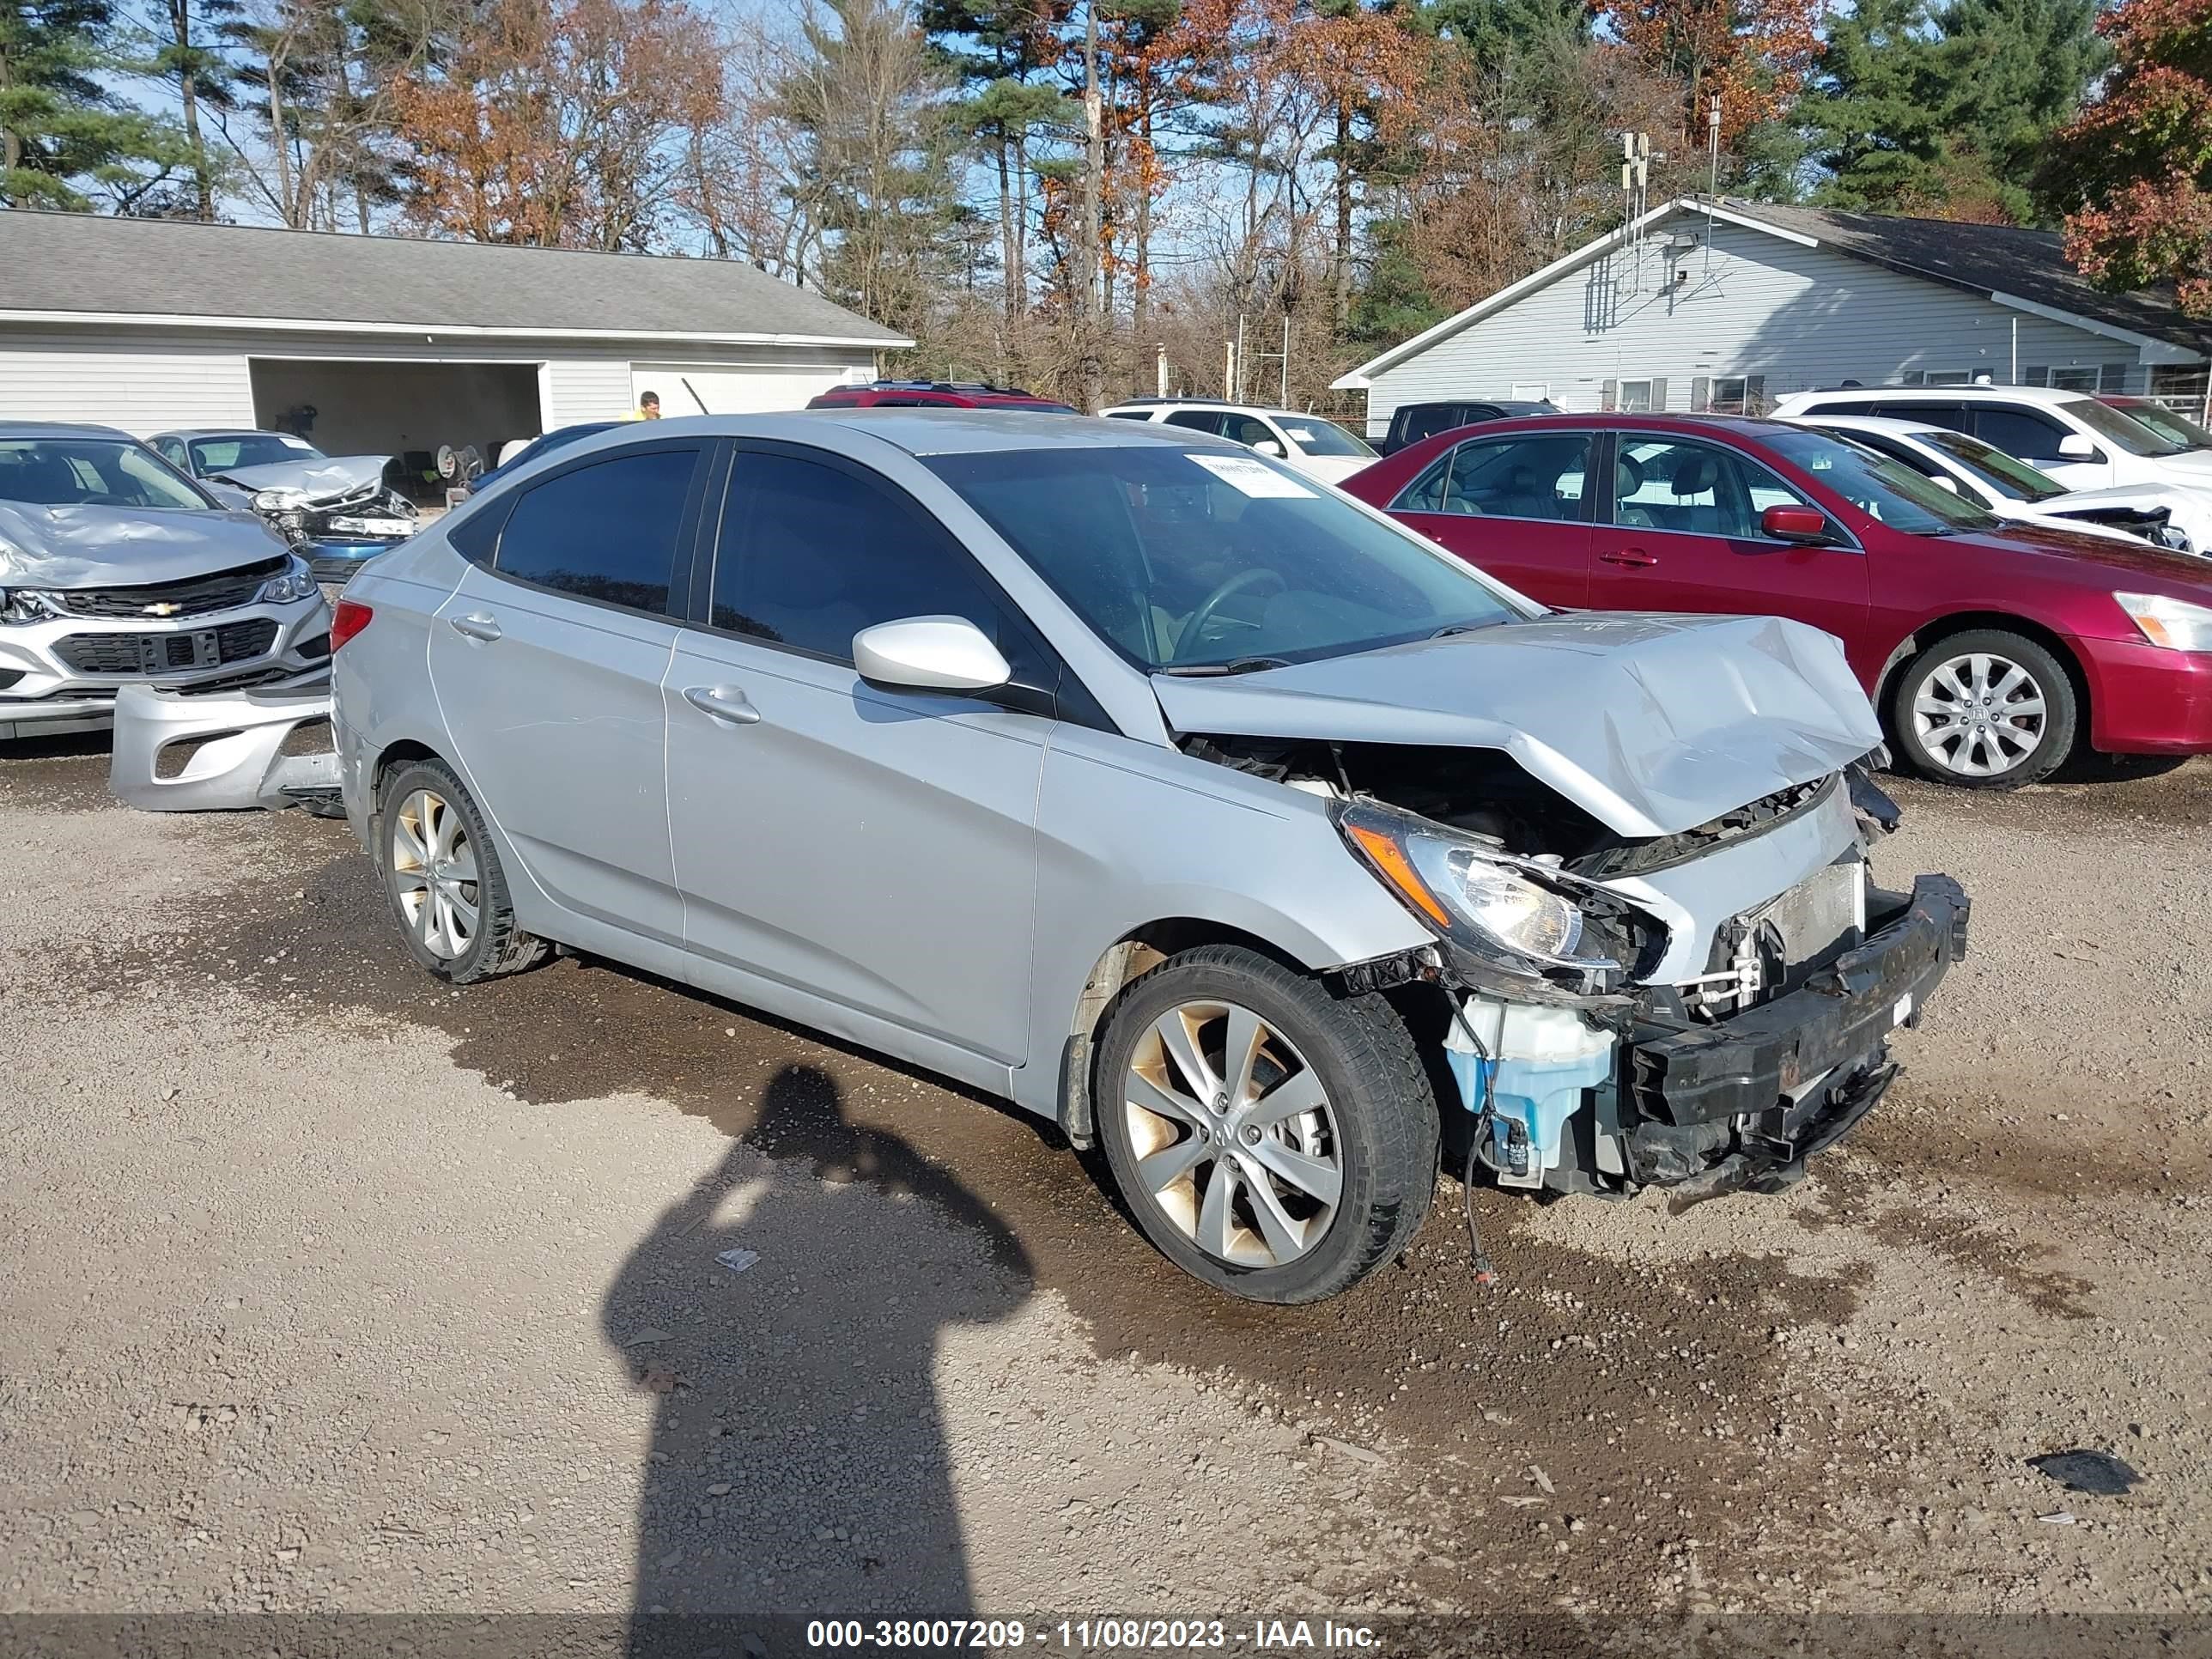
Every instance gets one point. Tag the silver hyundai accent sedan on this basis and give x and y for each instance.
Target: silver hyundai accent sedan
(1162, 791)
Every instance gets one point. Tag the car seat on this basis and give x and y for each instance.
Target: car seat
(1628, 478)
(1697, 474)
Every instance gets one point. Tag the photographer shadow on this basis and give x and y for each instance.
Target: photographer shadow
(797, 1464)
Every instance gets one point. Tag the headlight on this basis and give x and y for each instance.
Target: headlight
(297, 583)
(281, 501)
(2174, 623)
(20, 604)
(1484, 899)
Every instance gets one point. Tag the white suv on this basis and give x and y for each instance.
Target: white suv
(2082, 443)
(1320, 449)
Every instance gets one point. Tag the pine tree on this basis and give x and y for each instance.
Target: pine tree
(62, 132)
(1947, 111)
(187, 56)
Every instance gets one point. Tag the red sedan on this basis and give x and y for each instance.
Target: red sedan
(1993, 650)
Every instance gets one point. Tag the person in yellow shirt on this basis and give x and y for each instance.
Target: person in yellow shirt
(648, 407)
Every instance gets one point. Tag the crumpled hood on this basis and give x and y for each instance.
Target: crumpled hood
(324, 478)
(126, 546)
(1653, 725)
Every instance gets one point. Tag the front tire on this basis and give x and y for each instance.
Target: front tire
(1273, 1139)
(1985, 709)
(442, 878)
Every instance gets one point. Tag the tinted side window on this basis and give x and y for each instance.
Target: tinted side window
(1197, 420)
(1695, 488)
(605, 531)
(2021, 432)
(811, 554)
(1952, 415)
(475, 534)
(1534, 477)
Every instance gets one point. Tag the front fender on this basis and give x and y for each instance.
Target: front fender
(1130, 835)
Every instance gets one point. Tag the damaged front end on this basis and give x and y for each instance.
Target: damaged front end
(1700, 1010)
(334, 512)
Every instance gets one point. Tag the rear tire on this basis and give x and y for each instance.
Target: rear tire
(1284, 1174)
(442, 877)
(1985, 709)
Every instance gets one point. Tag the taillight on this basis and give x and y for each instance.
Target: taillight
(348, 619)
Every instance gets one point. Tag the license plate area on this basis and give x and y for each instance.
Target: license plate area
(172, 654)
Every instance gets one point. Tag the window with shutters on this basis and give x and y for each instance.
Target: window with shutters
(1635, 396)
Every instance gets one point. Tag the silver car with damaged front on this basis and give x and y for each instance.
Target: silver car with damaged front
(1173, 796)
(116, 571)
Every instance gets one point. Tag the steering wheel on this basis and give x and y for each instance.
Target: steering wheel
(1211, 603)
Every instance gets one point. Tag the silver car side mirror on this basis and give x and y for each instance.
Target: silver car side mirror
(930, 654)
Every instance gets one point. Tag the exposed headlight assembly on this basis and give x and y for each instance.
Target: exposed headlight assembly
(1527, 918)
(281, 500)
(2173, 623)
(297, 583)
(22, 605)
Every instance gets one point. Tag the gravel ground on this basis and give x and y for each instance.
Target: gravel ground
(330, 1289)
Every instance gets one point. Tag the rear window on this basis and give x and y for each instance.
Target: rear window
(605, 531)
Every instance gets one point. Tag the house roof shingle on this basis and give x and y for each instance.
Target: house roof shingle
(69, 262)
(2029, 264)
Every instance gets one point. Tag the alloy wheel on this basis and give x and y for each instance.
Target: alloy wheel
(434, 870)
(1233, 1134)
(1979, 715)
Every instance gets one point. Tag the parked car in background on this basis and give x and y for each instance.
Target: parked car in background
(1411, 422)
(1320, 449)
(936, 394)
(1118, 771)
(2172, 516)
(2082, 443)
(335, 511)
(115, 568)
(2169, 423)
(1995, 651)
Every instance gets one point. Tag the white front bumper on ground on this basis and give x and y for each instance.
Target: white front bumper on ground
(49, 696)
(185, 751)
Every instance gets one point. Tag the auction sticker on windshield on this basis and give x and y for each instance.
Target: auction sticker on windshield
(1249, 476)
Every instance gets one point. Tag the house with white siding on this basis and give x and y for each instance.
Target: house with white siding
(1727, 306)
(386, 344)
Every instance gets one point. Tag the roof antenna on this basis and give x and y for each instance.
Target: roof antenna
(1713, 180)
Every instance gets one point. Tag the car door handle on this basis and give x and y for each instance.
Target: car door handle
(475, 626)
(1634, 558)
(725, 703)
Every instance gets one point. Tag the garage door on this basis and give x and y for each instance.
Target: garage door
(727, 389)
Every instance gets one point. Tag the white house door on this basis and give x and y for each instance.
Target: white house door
(735, 389)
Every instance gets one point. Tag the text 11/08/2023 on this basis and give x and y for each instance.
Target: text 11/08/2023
(1092, 1635)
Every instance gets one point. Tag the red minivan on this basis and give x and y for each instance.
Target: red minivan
(1992, 650)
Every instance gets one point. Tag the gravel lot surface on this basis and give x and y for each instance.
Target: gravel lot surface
(327, 1288)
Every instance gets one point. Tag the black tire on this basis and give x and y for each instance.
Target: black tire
(497, 946)
(2060, 716)
(1381, 1118)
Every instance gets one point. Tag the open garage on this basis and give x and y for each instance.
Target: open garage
(396, 346)
(364, 407)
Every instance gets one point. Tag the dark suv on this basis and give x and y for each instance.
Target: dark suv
(935, 394)
(1411, 422)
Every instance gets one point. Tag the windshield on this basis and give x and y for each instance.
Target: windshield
(1878, 486)
(249, 449)
(91, 472)
(2174, 428)
(2129, 433)
(1322, 437)
(2012, 478)
(1188, 562)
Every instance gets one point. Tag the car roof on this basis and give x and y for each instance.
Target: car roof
(1220, 403)
(1949, 394)
(1889, 423)
(933, 431)
(61, 429)
(192, 433)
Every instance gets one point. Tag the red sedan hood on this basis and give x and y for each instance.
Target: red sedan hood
(2095, 562)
